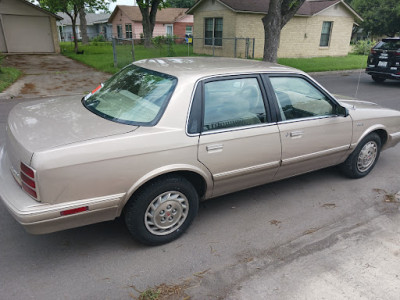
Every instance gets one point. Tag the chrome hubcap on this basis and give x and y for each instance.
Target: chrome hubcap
(166, 213)
(367, 156)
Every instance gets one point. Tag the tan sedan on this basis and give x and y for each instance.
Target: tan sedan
(163, 134)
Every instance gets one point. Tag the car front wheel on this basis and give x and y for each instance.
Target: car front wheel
(162, 210)
(363, 158)
(377, 78)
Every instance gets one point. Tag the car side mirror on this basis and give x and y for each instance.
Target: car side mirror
(342, 111)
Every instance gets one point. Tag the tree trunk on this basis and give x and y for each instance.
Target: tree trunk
(73, 20)
(83, 26)
(147, 28)
(272, 31)
(148, 20)
(279, 13)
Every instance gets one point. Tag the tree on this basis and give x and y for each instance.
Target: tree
(149, 8)
(279, 13)
(72, 8)
(181, 3)
(381, 17)
(83, 26)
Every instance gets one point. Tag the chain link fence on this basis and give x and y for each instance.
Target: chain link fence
(124, 49)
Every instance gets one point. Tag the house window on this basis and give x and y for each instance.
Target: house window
(170, 29)
(189, 30)
(213, 31)
(119, 31)
(128, 31)
(325, 34)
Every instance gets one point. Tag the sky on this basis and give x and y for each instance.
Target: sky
(121, 2)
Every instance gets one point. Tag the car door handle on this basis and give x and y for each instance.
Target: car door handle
(215, 148)
(296, 133)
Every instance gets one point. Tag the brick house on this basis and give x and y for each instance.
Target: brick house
(127, 22)
(319, 28)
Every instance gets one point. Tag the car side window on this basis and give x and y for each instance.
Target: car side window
(233, 103)
(297, 98)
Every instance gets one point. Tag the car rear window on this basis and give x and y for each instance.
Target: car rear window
(134, 96)
(388, 45)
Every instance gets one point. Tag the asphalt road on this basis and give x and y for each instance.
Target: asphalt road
(233, 239)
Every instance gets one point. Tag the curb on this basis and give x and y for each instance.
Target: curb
(336, 72)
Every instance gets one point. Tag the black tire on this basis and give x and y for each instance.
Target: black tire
(363, 159)
(378, 79)
(161, 211)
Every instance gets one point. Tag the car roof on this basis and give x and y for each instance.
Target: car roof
(209, 66)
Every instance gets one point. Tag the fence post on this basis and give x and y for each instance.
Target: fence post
(247, 48)
(234, 50)
(114, 52)
(133, 49)
(254, 45)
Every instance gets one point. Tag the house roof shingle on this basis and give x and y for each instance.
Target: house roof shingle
(165, 15)
(90, 19)
(309, 8)
(41, 9)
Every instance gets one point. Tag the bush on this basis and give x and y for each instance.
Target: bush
(363, 46)
(160, 41)
(98, 39)
(2, 56)
(170, 41)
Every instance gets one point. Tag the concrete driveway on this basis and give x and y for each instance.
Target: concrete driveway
(315, 236)
(50, 75)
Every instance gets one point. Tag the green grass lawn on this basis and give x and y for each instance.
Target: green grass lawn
(100, 56)
(320, 64)
(8, 76)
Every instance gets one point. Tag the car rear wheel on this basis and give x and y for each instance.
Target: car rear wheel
(377, 78)
(363, 158)
(162, 210)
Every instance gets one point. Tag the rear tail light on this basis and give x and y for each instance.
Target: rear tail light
(373, 51)
(397, 53)
(28, 180)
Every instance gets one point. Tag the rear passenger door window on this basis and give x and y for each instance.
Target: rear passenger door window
(233, 103)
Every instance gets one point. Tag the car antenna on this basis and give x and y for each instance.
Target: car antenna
(361, 69)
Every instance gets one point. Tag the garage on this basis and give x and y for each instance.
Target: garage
(26, 28)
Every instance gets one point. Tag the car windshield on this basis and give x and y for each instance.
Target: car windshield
(388, 45)
(134, 95)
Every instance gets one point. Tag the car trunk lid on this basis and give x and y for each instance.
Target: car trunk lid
(46, 124)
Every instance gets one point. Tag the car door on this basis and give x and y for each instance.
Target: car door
(238, 141)
(313, 133)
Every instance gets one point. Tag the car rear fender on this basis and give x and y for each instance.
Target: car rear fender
(184, 170)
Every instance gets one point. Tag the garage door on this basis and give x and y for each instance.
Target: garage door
(28, 34)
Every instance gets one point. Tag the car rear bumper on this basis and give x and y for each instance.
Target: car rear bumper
(380, 73)
(38, 218)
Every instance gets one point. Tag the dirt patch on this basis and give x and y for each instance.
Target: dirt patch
(28, 88)
(164, 292)
(51, 75)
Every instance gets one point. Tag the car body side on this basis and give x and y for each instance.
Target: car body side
(103, 173)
